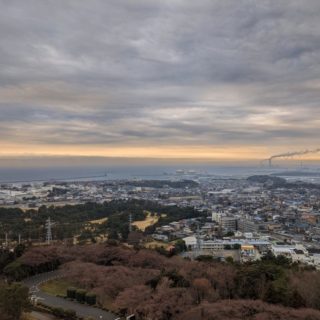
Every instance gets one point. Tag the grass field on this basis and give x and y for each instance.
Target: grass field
(57, 287)
(157, 244)
(99, 221)
(27, 316)
(148, 221)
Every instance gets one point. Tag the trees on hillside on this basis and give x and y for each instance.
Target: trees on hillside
(30, 224)
(246, 309)
(14, 300)
(157, 287)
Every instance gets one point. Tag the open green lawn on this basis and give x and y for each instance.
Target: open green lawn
(57, 287)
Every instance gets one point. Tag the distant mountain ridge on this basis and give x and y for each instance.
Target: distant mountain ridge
(297, 174)
(277, 182)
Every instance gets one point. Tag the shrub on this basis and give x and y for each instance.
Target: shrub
(81, 295)
(71, 293)
(91, 299)
(16, 271)
(70, 314)
(58, 312)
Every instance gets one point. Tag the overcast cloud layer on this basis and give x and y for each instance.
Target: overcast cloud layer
(167, 73)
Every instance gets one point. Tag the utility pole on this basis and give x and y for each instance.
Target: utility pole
(6, 241)
(19, 238)
(198, 240)
(48, 227)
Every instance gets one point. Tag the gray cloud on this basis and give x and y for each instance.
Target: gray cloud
(172, 72)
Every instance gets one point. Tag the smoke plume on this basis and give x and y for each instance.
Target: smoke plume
(292, 154)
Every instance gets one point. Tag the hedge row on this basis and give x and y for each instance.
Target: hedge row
(81, 296)
(60, 312)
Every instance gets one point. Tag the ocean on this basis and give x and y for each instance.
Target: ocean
(149, 172)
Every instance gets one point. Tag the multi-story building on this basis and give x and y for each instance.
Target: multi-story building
(229, 223)
(246, 225)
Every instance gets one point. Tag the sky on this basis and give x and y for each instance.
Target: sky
(205, 79)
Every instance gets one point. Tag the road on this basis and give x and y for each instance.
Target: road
(82, 310)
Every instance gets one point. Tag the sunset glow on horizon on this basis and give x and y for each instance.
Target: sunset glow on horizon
(197, 153)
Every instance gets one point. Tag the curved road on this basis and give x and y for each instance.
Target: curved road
(82, 310)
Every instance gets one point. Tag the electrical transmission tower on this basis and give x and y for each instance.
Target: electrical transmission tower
(130, 222)
(48, 227)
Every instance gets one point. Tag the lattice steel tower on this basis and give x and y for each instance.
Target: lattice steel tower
(130, 222)
(48, 227)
